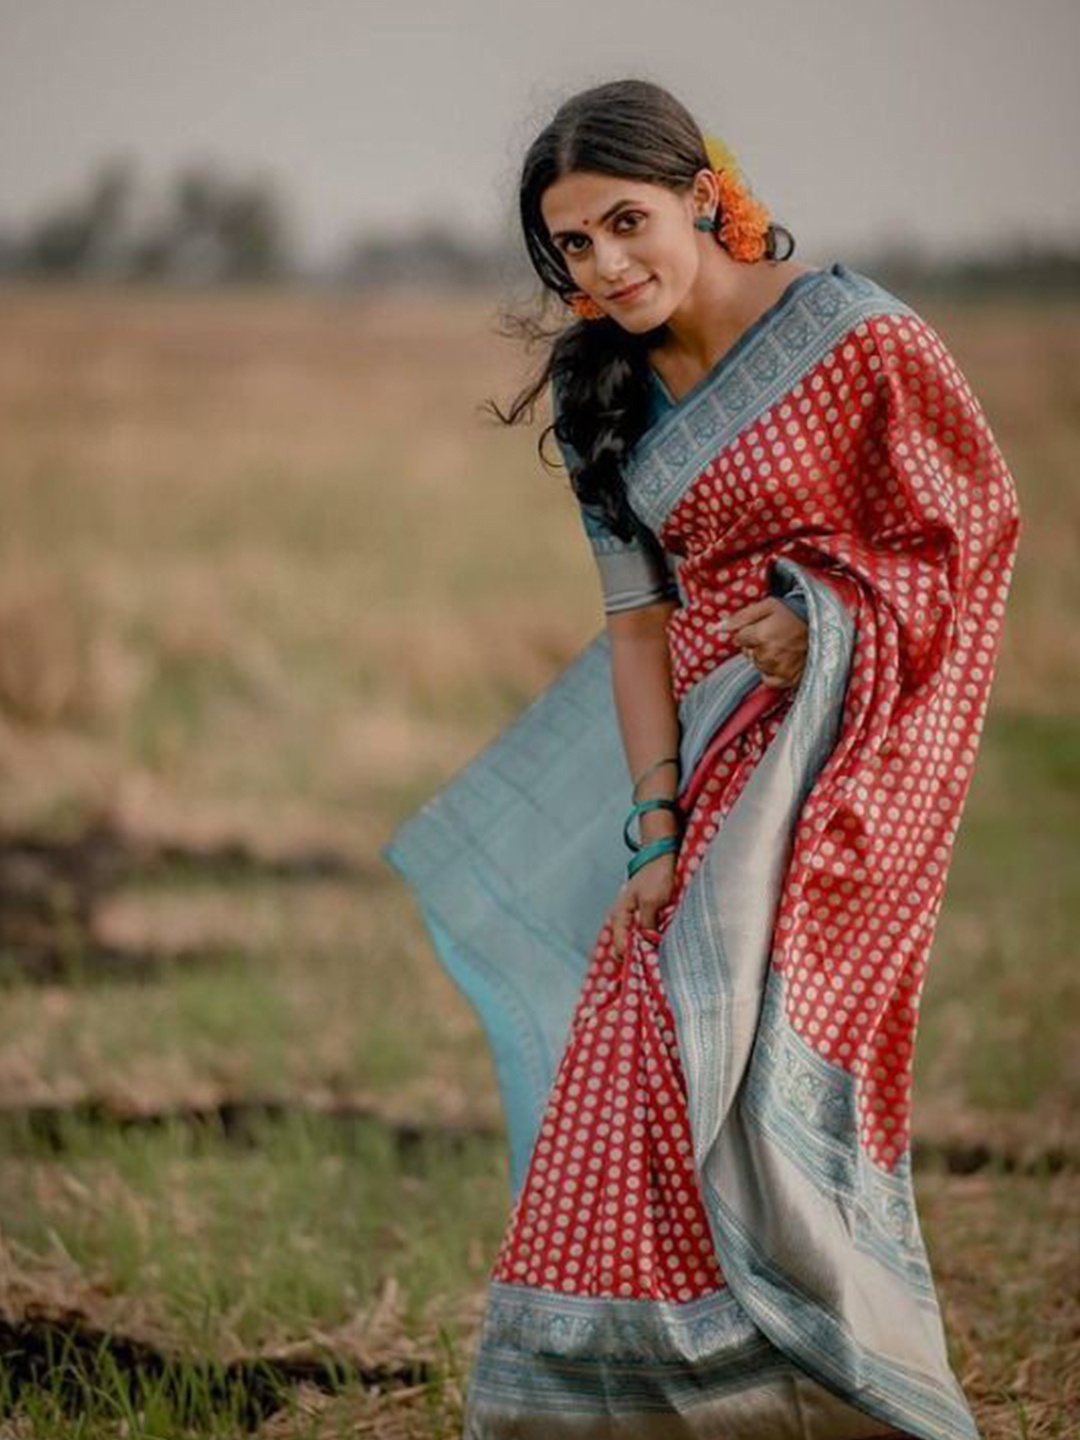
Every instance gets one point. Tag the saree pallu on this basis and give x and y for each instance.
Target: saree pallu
(714, 1231)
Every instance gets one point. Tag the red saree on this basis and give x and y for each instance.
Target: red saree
(714, 1232)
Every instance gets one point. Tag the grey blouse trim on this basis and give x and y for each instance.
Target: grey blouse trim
(633, 572)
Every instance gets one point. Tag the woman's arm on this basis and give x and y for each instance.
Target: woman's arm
(649, 724)
(648, 716)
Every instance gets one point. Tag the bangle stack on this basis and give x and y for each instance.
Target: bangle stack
(667, 844)
(643, 807)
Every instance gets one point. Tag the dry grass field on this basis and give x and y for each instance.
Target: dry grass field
(268, 577)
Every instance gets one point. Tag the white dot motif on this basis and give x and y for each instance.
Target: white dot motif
(906, 510)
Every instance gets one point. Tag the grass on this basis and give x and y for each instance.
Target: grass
(996, 1041)
(1006, 1254)
(229, 1248)
(266, 577)
(298, 998)
(179, 1236)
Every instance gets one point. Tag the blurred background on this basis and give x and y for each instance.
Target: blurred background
(270, 575)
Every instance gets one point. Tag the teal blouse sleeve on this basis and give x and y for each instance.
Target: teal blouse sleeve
(633, 572)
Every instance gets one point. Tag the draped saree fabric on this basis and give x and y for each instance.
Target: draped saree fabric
(713, 1230)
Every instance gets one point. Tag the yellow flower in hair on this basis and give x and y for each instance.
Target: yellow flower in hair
(744, 222)
(721, 156)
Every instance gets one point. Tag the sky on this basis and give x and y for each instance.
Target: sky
(951, 125)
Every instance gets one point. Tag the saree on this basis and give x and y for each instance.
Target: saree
(713, 1229)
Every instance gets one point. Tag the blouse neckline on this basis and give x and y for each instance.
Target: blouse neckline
(731, 354)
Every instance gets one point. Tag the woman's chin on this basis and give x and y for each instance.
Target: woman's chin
(639, 319)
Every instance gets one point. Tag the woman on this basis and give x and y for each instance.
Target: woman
(805, 535)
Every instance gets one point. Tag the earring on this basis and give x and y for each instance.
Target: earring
(705, 222)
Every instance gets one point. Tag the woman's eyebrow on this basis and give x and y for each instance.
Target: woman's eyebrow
(560, 234)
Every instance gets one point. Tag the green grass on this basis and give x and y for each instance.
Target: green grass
(998, 1022)
(231, 1245)
(320, 988)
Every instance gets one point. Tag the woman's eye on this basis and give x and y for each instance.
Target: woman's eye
(574, 244)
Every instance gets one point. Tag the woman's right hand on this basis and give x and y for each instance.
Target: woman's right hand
(641, 898)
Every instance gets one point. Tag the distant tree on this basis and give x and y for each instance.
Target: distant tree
(216, 229)
(432, 254)
(85, 235)
(252, 228)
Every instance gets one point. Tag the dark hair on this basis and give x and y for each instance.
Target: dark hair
(635, 130)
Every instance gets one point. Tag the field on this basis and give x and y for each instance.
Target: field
(269, 576)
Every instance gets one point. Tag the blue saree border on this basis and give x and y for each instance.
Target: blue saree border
(609, 1327)
(512, 864)
(798, 1324)
(544, 1354)
(806, 1106)
(797, 332)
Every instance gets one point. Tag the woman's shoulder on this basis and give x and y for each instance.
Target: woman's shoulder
(850, 305)
(866, 295)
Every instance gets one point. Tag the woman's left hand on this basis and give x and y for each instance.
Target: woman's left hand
(773, 637)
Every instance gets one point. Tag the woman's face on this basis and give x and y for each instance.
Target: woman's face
(628, 244)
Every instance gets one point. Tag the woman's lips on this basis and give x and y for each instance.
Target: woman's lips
(632, 293)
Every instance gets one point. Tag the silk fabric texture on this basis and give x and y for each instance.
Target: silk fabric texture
(713, 1230)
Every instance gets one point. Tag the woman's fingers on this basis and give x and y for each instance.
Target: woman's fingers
(640, 904)
(620, 919)
(750, 642)
(747, 615)
(771, 635)
(782, 682)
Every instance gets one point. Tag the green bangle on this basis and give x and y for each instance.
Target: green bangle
(665, 846)
(643, 807)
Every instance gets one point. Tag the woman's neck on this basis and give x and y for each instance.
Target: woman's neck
(724, 301)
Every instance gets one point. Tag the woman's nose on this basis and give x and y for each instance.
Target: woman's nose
(610, 259)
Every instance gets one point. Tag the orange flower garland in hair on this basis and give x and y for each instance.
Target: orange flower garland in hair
(744, 221)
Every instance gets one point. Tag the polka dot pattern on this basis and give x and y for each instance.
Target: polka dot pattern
(878, 472)
(611, 1204)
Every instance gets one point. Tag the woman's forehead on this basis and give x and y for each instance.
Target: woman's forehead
(582, 199)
